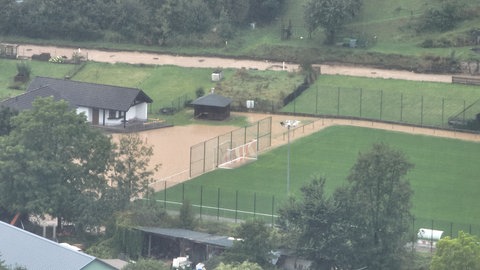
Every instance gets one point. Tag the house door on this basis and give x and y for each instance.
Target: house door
(95, 116)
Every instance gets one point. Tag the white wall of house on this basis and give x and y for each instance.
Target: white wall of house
(139, 111)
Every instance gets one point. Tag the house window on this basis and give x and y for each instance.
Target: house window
(112, 114)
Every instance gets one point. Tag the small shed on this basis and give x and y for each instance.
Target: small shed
(217, 75)
(169, 243)
(8, 50)
(212, 107)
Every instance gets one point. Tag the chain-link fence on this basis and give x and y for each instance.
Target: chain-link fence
(207, 155)
(235, 206)
(380, 105)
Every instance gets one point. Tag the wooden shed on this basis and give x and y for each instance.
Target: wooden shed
(212, 107)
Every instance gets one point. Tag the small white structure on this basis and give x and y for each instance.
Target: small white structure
(250, 104)
(181, 263)
(428, 237)
(217, 75)
(200, 266)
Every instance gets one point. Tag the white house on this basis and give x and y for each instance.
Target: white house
(105, 105)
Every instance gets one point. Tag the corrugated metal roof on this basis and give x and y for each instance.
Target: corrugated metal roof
(213, 100)
(79, 94)
(197, 237)
(21, 248)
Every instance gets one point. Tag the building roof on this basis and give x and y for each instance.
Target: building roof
(212, 100)
(22, 248)
(197, 237)
(79, 94)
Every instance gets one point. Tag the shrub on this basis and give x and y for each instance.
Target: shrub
(23, 69)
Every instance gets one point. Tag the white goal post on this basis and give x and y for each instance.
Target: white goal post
(239, 155)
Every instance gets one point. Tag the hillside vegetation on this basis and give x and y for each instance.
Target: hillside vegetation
(424, 36)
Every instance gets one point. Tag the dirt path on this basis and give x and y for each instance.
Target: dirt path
(172, 145)
(216, 62)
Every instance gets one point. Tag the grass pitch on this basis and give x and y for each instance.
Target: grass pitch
(445, 178)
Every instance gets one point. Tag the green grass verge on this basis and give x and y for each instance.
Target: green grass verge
(8, 70)
(445, 177)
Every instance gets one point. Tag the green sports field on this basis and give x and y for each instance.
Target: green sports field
(445, 180)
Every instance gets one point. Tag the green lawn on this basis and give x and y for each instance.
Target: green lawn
(171, 86)
(445, 177)
(412, 102)
(8, 70)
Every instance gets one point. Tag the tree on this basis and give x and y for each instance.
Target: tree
(457, 253)
(186, 217)
(330, 14)
(318, 227)
(243, 266)
(377, 202)
(52, 161)
(6, 115)
(254, 244)
(146, 264)
(131, 173)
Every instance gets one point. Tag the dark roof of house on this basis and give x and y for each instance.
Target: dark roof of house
(212, 100)
(22, 248)
(197, 237)
(79, 94)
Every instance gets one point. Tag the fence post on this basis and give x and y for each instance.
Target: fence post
(316, 102)
(204, 154)
(464, 108)
(361, 95)
(273, 209)
(236, 205)
(201, 200)
(218, 204)
(443, 112)
(421, 112)
(401, 107)
(218, 151)
(254, 204)
(183, 192)
(338, 101)
(381, 104)
(451, 229)
(165, 196)
(190, 169)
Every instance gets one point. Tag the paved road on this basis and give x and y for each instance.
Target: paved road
(130, 57)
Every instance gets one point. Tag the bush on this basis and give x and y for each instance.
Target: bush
(23, 69)
(441, 19)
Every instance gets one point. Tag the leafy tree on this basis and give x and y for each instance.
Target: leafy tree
(52, 161)
(457, 253)
(186, 218)
(330, 14)
(318, 227)
(6, 115)
(146, 264)
(243, 266)
(442, 19)
(254, 244)
(131, 173)
(377, 202)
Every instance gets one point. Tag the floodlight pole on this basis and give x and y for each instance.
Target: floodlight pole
(288, 124)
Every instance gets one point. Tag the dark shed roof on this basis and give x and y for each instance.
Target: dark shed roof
(197, 237)
(79, 94)
(212, 100)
